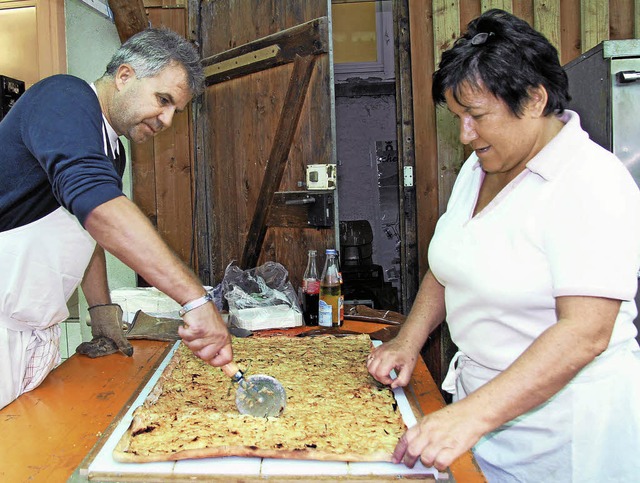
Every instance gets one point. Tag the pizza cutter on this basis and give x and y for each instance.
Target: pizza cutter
(257, 395)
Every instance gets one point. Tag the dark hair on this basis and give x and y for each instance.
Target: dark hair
(151, 50)
(508, 57)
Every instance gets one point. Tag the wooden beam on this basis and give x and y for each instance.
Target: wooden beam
(165, 3)
(310, 38)
(546, 20)
(595, 22)
(129, 17)
(242, 63)
(289, 210)
(505, 5)
(406, 155)
(282, 141)
(446, 29)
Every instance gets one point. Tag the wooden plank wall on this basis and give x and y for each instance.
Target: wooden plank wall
(163, 175)
(573, 26)
(236, 125)
(162, 167)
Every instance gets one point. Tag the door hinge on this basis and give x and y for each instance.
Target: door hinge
(408, 176)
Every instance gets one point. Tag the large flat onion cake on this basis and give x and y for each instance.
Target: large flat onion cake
(335, 410)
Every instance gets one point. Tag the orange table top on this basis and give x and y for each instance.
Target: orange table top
(46, 433)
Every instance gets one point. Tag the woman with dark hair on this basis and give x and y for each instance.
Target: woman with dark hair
(534, 266)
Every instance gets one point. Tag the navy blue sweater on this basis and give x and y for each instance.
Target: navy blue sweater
(52, 154)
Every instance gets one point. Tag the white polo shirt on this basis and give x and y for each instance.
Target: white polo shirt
(569, 224)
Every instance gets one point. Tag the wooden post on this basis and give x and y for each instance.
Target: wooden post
(505, 5)
(594, 22)
(129, 16)
(547, 20)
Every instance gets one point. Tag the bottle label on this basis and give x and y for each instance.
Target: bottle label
(325, 315)
(312, 286)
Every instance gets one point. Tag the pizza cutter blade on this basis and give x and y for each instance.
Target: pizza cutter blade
(257, 395)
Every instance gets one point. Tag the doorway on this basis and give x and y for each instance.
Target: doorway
(366, 139)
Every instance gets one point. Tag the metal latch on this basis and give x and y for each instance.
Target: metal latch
(315, 206)
(627, 76)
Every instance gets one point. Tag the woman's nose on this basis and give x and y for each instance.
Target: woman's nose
(467, 130)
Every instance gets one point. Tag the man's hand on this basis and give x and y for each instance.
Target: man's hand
(106, 329)
(206, 334)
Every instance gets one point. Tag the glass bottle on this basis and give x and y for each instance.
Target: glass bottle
(310, 290)
(330, 301)
(341, 297)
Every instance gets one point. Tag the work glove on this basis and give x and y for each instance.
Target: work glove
(106, 329)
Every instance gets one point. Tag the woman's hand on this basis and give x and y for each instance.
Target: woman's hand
(392, 355)
(401, 353)
(439, 438)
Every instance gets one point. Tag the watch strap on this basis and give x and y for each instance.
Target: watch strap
(194, 304)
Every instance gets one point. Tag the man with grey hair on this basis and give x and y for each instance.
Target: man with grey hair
(61, 192)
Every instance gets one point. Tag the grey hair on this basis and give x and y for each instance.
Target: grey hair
(153, 49)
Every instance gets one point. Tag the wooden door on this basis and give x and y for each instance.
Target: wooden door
(266, 114)
(162, 166)
(32, 39)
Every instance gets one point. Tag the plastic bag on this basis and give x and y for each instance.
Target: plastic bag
(265, 286)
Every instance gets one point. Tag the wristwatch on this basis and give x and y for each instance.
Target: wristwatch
(194, 304)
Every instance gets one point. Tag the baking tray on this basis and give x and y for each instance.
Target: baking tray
(100, 465)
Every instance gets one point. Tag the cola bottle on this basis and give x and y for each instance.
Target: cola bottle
(310, 291)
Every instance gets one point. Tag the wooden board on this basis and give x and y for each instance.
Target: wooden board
(102, 467)
(239, 121)
(162, 167)
(334, 410)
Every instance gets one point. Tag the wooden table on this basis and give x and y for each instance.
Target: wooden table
(46, 433)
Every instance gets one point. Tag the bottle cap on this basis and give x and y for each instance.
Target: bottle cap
(331, 251)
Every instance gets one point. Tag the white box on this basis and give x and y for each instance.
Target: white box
(321, 176)
(260, 318)
(148, 299)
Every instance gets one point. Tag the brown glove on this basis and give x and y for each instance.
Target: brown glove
(145, 326)
(106, 329)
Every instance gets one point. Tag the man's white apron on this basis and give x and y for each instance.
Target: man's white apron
(554, 442)
(42, 263)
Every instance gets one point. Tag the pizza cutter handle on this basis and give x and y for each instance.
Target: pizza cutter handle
(233, 371)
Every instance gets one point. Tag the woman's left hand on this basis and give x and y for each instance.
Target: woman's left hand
(438, 438)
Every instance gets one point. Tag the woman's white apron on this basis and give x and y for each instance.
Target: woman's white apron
(554, 442)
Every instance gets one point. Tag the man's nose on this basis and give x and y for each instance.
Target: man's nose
(467, 130)
(166, 117)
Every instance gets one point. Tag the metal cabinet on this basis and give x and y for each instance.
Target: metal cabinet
(604, 84)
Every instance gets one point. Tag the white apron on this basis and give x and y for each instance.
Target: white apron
(42, 264)
(587, 432)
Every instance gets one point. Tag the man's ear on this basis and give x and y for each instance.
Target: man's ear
(124, 74)
(537, 102)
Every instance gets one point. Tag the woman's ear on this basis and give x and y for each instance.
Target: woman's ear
(537, 102)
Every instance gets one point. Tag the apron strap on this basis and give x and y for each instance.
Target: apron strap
(449, 383)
